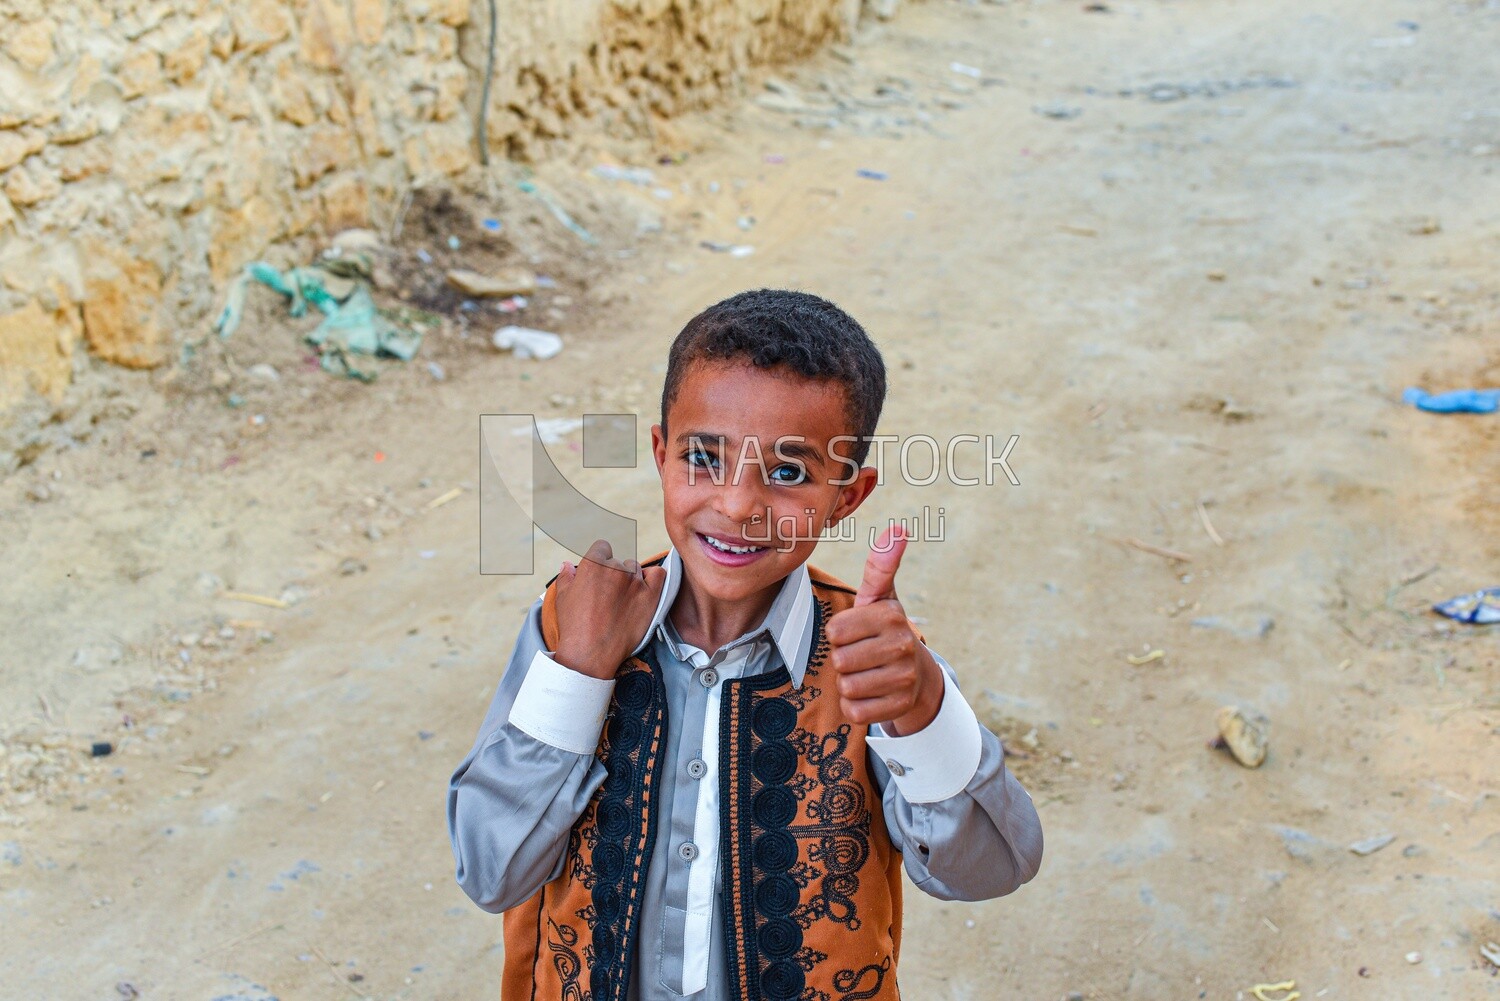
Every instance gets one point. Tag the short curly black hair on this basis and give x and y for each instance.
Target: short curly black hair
(772, 328)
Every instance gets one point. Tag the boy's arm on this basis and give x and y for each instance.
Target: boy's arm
(528, 778)
(967, 829)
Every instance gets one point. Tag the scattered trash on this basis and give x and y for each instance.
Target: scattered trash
(634, 175)
(1259, 630)
(1369, 846)
(1058, 110)
(352, 566)
(263, 372)
(872, 175)
(745, 222)
(340, 288)
(1259, 990)
(506, 282)
(732, 249)
(513, 304)
(1482, 608)
(127, 990)
(774, 158)
(1145, 658)
(1491, 952)
(1465, 401)
(558, 212)
(424, 256)
(101, 749)
(1243, 735)
(453, 243)
(1217, 276)
(255, 599)
(436, 371)
(966, 70)
(524, 342)
(1425, 226)
(491, 225)
(1414, 958)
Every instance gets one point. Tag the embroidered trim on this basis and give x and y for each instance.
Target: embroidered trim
(611, 847)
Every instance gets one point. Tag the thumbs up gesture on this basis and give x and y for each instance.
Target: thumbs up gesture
(885, 674)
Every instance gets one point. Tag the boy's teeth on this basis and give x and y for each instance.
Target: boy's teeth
(726, 548)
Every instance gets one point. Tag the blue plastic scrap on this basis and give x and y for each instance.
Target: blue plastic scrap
(1482, 608)
(1457, 401)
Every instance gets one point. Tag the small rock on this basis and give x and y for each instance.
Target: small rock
(1414, 958)
(1244, 736)
(1058, 110)
(101, 749)
(508, 282)
(39, 492)
(263, 372)
(351, 566)
(1369, 846)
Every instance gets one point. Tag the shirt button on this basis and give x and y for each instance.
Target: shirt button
(895, 768)
(708, 678)
(688, 851)
(697, 768)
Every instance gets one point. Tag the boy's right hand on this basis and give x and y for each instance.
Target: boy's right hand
(604, 607)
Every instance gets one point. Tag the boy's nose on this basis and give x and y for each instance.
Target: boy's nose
(741, 502)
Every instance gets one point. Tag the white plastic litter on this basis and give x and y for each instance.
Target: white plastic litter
(525, 342)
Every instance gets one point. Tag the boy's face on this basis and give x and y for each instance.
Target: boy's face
(751, 464)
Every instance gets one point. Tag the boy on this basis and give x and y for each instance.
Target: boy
(699, 778)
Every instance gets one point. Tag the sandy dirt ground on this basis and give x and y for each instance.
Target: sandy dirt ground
(1189, 252)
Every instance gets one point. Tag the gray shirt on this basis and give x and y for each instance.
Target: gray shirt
(966, 828)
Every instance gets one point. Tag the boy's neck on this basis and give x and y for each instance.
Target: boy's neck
(709, 623)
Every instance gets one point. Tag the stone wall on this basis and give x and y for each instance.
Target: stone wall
(149, 148)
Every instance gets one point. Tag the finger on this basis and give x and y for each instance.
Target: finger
(567, 571)
(881, 710)
(656, 579)
(633, 568)
(599, 552)
(879, 581)
(855, 624)
(891, 679)
(875, 652)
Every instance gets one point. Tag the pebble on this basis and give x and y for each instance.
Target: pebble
(1414, 958)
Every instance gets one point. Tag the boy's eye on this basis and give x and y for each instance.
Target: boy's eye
(788, 474)
(700, 458)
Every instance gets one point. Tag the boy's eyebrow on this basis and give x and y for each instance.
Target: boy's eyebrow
(688, 437)
(788, 448)
(791, 449)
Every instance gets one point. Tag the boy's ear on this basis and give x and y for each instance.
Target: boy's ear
(659, 447)
(853, 494)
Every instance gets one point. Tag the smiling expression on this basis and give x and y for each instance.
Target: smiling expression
(752, 474)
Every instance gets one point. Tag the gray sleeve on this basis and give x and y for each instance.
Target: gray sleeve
(983, 842)
(514, 799)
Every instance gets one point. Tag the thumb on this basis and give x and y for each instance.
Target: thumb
(879, 581)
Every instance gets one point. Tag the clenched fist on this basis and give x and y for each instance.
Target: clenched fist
(885, 674)
(604, 608)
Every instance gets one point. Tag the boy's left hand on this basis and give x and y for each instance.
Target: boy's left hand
(885, 674)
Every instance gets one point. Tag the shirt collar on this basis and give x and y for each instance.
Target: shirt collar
(789, 620)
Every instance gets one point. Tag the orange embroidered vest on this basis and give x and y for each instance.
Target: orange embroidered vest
(811, 884)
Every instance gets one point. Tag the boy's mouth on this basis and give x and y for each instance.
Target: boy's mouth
(729, 554)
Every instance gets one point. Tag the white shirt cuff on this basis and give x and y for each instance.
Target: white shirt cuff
(560, 706)
(936, 762)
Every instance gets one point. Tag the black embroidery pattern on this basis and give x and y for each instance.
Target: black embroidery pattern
(620, 836)
(780, 895)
